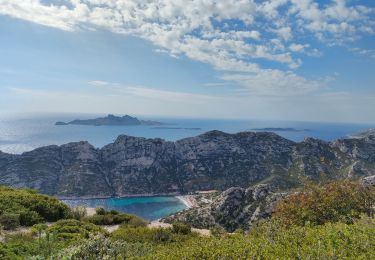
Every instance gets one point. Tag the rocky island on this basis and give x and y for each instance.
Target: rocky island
(111, 120)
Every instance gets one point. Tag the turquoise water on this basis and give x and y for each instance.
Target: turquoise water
(20, 134)
(24, 133)
(149, 208)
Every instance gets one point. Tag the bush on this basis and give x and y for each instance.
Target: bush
(29, 218)
(181, 228)
(31, 206)
(10, 221)
(270, 240)
(101, 211)
(78, 213)
(114, 212)
(340, 201)
(135, 222)
(217, 231)
(18, 246)
(7, 253)
(143, 235)
(108, 219)
(113, 217)
(71, 229)
(100, 247)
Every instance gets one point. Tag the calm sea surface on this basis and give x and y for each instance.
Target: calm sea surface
(20, 134)
(149, 208)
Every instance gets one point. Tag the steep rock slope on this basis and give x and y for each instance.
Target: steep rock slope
(214, 160)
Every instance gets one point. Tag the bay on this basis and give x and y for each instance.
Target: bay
(150, 208)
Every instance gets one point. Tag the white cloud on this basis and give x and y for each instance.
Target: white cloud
(364, 52)
(230, 35)
(274, 82)
(298, 47)
(99, 83)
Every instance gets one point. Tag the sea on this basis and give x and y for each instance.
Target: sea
(150, 208)
(22, 133)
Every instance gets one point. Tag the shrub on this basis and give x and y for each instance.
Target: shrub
(108, 218)
(217, 231)
(114, 212)
(31, 206)
(340, 201)
(181, 228)
(143, 234)
(7, 253)
(270, 240)
(101, 211)
(135, 222)
(72, 229)
(10, 221)
(100, 247)
(29, 218)
(18, 246)
(78, 213)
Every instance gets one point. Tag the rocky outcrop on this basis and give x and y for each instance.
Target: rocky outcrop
(214, 160)
(368, 181)
(235, 208)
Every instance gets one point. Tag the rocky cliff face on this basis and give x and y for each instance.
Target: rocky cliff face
(214, 160)
(235, 208)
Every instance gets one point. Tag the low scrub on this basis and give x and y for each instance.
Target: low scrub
(30, 207)
(340, 201)
(103, 217)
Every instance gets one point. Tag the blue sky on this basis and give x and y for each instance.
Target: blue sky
(282, 59)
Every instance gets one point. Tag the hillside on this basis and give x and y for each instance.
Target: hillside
(342, 229)
(214, 160)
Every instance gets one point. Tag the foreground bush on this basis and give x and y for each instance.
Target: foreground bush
(101, 247)
(269, 240)
(103, 217)
(9, 221)
(340, 201)
(181, 228)
(30, 206)
(274, 241)
(72, 230)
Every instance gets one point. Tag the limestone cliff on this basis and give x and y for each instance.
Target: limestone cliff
(214, 160)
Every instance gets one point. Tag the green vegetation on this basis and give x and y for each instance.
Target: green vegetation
(330, 222)
(273, 241)
(103, 217)
(181, 228)
(71, 229)
(340, 201)
(27, 207)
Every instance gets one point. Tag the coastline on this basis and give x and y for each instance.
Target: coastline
(119, 197)
(188, 200)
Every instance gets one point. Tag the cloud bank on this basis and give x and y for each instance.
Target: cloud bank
(233, 36)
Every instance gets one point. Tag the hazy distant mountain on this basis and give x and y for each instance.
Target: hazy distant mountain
(214, 160)
(111, 120)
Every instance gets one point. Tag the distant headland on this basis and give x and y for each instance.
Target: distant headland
(111, 120)
(280, 129)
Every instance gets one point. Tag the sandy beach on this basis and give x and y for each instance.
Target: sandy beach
(188, 200)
